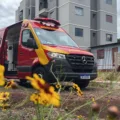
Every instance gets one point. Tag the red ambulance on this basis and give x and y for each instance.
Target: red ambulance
(41, 46)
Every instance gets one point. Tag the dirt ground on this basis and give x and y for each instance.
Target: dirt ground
(20, 105)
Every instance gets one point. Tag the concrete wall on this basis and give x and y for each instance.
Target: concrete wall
(102, 38)
(103, 24)
(62, 2)
(69, 19)
(102, 6)
(52, 4)
(94, 38)
(36, 8)
(100, 24)
(81, 41)
(94, 19)
(53, 13)
(17, 15)
(81, 2)
(64, 16)
(67, 29)
(23, 7)
(93, 4)
(79, 20)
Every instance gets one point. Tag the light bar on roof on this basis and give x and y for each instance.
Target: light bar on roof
(48, 22)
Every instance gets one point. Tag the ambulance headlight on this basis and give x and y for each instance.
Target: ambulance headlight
(56, 55)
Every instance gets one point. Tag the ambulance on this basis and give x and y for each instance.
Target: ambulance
(41, 46)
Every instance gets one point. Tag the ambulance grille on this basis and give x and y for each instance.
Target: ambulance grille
(81, 63)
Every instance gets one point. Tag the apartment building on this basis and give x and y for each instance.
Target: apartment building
(89, 22)
(26, 10)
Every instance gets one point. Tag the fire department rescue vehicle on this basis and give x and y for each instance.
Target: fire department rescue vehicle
(41, 46)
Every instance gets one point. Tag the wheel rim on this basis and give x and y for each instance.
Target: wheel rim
(40, 75)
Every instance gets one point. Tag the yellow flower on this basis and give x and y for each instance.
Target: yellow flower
(34, 98)
(108, 101)
(11, 84)
(80, 116)
(47, 95)
(93, 100)
(4, 96)
(2, 80)
(58, 86)
(54, 99)
(37, 82)
(4, 106)
(46, 99)
(76, 87)
(2, 68)
(80, 93)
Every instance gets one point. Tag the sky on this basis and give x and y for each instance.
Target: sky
(8, 8)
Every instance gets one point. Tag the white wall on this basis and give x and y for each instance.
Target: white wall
(107, 62)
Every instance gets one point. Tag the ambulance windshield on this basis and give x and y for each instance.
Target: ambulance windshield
(54, 37)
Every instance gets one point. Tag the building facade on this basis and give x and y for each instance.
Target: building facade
(107, 56)
(89, 22)
(26, 10)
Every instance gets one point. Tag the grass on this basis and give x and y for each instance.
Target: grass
(108, 76)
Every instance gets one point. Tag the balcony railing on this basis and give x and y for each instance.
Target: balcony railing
(43, 8)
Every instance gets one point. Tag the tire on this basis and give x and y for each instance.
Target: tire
(40, 71)
(82, 84)
(23, 81)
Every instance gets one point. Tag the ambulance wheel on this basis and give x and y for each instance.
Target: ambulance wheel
(40, 71)
(82, 84)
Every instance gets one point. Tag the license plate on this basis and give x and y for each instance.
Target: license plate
(85, 77)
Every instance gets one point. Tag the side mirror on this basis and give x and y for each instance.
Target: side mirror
(31, 43)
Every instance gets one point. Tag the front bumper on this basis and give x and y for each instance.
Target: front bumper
(64, 72)
(76, 76)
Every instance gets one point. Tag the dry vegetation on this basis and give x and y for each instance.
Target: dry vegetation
(23, 109)
(99, 100)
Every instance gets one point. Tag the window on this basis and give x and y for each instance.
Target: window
(79, 32)
(100, 54)
(94, 35)
(109, 37)
(108, 2)
(78, 11)
(29, 16)
(109, 18)
(21, 15)
(40, 4)
(43, 4)
(25, 36)
(94, 15)
(54, 37)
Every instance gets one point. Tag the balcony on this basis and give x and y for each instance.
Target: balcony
(43, 12)
(43, 8)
